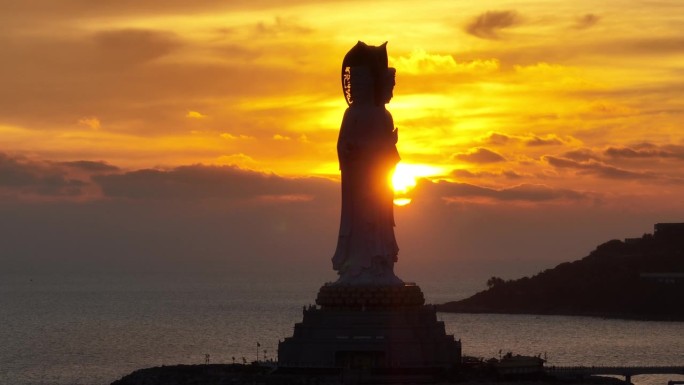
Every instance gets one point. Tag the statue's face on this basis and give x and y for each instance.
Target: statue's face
(361, 86)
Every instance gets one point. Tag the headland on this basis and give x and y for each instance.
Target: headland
(635, 278)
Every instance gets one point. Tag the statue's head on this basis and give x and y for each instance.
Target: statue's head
(374, 58)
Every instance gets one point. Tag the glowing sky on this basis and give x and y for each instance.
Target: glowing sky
(526, 103)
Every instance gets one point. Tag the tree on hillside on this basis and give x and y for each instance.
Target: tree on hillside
(494, 281)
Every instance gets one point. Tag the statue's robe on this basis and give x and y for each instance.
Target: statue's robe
(366, 147)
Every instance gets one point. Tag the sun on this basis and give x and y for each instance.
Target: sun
(404, 179)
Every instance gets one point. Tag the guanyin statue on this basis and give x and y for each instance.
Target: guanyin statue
(367, 248)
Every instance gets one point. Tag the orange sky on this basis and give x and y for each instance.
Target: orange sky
(255, 84)
(573, 103)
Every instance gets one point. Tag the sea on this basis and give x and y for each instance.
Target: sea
(67, 329)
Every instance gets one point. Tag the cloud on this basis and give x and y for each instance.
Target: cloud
(20, 176)
(229, 136)
(61, 79)
(142, 81)
(463, 173)
(549, 75)
(581, 154)
(586, 21)
(422, 62)
(668, 45)
(646, 150)
(489, 24)
(531, 140)
(195, 115)
(548, 140)
(596, 168)
(119, 77)
(496, 138)
(188, 219)
(91, 122)
(239, 159)
(198, 182)
(134, 46)
(192, 217)
(281, 26)
(539, 193)
(480, 155)
(48, 10)
(95, 167)
(452, 191)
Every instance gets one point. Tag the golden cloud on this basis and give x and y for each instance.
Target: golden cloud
(195, 115)
(422, 62)
(91, 122)
(480, 155)
(229, 136)
(530, 140)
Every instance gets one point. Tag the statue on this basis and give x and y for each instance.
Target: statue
(368, 299)
(367, 248)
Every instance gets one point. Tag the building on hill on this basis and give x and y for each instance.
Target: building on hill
(669, 231)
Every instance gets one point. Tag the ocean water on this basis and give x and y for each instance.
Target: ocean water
(93, 329)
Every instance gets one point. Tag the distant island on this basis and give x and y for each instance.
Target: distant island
(638, 278)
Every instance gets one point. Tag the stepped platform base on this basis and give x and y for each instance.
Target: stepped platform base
(369, 327)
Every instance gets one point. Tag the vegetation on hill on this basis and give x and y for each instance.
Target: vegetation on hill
(640, 278)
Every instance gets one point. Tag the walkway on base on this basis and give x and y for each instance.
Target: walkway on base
(626, 371)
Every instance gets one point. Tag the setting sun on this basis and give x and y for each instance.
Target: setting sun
(404, 179)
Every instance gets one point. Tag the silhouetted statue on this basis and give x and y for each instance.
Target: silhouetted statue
(366, 147)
